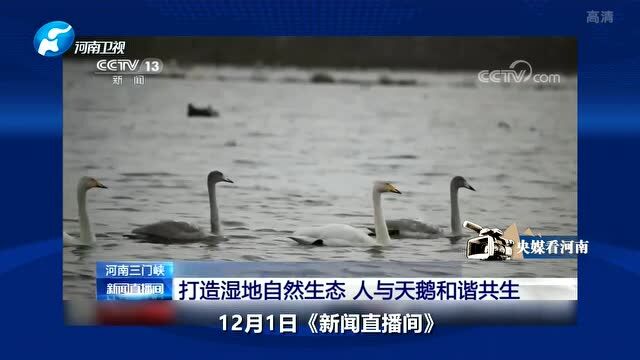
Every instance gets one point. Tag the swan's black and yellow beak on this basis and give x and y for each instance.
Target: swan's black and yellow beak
(470, 187)
(100, 185)
(393, 189)
(226, 179)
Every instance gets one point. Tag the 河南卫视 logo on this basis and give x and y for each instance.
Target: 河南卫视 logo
(53, 38)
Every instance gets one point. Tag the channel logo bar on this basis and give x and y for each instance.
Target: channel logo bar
(118, 280)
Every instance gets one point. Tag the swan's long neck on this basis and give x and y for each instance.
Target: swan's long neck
(382, 233)
(215, 220)
(85, 226)
(456, 227)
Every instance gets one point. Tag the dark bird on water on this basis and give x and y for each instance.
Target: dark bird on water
(203, 111)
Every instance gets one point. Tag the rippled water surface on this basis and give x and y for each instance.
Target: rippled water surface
(306, 154)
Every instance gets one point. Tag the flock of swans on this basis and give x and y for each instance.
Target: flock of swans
(327, 235)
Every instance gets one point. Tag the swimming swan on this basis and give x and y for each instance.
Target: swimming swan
(86, 236)
(417, 229)
(183, 231)
(345, 235)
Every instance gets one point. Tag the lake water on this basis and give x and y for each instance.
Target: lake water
(306, 154)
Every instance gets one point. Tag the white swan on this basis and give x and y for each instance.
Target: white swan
(182, 231)
(407, 228)
(86, 236)
(345, 235)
